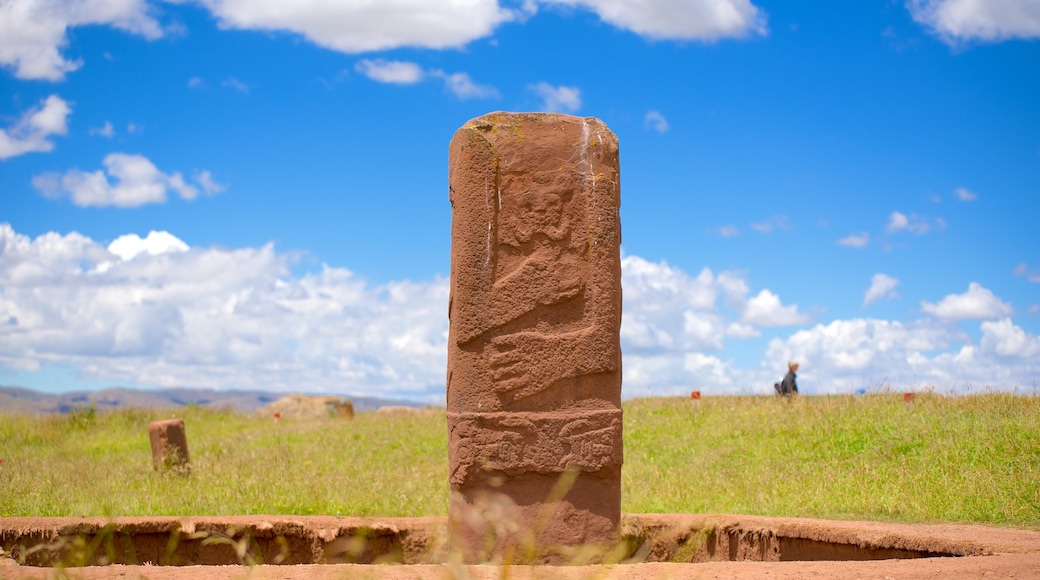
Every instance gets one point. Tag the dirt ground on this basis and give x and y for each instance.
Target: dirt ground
(970, 551)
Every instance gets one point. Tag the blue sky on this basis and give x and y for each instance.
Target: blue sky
(230, 194)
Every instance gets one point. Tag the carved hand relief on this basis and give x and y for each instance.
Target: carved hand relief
(536, 314)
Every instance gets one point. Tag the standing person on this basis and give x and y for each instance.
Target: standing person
(788, 386)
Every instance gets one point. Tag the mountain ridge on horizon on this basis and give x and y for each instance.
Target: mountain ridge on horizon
(21, 400)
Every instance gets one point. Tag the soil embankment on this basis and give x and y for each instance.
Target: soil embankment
(658, 546)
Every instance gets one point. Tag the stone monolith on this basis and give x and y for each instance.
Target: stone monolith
(169, 445)
(534, 361)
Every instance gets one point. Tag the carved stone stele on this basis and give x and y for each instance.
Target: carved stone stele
(534, 361)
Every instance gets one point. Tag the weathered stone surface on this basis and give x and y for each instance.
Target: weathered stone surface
(169, 445)
(534, 362)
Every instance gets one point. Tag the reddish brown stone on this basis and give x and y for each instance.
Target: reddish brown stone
(534, 361)
(169, 445)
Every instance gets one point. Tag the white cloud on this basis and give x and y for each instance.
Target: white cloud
(130, 245)
(855, 241)
(407, 73)
(775, 223)
(656, 121)
(965, 194)
(393, 71)
(881, 286)
(985, 20)
(107, 130)
(727, 231)
(978, 303)
(706, 20)
(137, 182)
(1005, 339)
(1031, 274)
(765, 309)
(355, 26)
(215, 318)
(557, 99)
(740, 330)
(32, 32)
(671, 321)
(463, 87)
(850, 355)
(154, 311)
(31, 132)
(196, 83)
(917, 225)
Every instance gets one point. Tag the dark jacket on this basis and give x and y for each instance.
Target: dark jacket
(788, 385)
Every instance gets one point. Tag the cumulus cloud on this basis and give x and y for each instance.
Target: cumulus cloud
(1031, 274)
(849, 355)
(130, 245)
(137, 181)
(855, 241)
(355, 26)
(978, 303)
(33, 32)
(881, 286)
(965, 194)
(706, 20)
(985, 20)
(674, 325)
(666, 308)
(656, 121)
(32, 131)
(775, 223)
(557, 99)
(765, 309)
(1005, 339)
(155, 311)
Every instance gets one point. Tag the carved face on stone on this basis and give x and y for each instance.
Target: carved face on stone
(536, 206)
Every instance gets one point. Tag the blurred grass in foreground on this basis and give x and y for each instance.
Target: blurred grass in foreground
(969, 458)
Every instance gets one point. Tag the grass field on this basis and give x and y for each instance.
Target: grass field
(965, 459)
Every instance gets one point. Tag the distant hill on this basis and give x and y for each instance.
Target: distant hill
(28, 401)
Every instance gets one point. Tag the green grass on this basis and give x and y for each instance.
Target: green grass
(241, 464)
(965, 459)
(970, 459)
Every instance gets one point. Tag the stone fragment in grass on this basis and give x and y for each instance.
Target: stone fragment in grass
(169, 445)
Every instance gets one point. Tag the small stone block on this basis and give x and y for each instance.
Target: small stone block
(169, 445)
